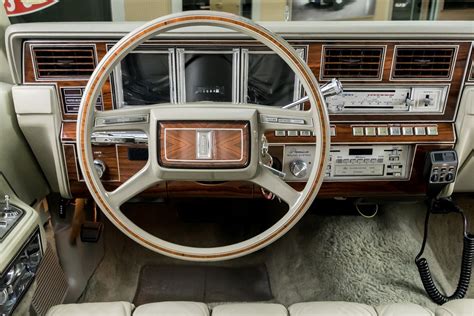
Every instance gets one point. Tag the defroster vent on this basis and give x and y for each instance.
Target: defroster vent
(360, 63)
(64, 61)
(423, 62)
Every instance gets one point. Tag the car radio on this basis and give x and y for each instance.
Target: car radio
(350, 162)
(399, 99)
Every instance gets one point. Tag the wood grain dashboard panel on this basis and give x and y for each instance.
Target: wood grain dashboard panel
(120, 167)
(415, 186)
(225, 144)
(314, 62)
(30, 78)
(314, 52)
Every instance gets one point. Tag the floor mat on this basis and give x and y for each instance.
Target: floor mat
(202, 284)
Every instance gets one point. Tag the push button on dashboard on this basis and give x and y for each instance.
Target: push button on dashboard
(382, 131)
(395, 131)
(358, 131)
(370, 131)
(407, 131)
(420, 130)
(432, 130)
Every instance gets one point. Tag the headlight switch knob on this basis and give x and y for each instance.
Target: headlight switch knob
(100, 167)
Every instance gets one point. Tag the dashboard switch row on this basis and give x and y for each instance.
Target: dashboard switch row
(395, 131)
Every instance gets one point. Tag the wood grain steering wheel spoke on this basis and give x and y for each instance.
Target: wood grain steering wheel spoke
(138, 183)
(271, 182)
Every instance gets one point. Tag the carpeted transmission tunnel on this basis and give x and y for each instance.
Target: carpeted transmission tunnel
(202, 284)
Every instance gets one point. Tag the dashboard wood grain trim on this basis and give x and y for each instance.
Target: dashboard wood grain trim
(457, 80)
(314, 55)
(343, 123)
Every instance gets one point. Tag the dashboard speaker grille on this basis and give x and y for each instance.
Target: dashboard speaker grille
(64, 62)
(364, 63)
(423, 63)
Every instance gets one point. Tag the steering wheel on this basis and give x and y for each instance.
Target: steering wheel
(203, 141)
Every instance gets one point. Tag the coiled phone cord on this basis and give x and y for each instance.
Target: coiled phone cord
(466, 265)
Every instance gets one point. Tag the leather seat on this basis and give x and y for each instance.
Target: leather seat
(399, 309)
(463, 307)
(356, 309)
(331, 309)
(250, 309)
(92, 309)
(172, 309)
(454, 308)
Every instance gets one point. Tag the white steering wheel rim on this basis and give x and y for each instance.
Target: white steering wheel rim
(247, 27)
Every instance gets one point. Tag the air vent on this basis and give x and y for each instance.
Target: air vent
(64, 62)
(363, 63)
(423, 63)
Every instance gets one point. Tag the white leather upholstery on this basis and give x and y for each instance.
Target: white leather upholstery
(331, 309)
(249, 309)
(172, 309)
(92, 309)
(402, 309)
(457, 308)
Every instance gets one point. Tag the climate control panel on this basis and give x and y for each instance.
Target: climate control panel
(399, 99)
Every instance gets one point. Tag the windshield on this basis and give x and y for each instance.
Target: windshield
(21, 11)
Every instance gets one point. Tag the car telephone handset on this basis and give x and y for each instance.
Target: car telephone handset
(440, 170)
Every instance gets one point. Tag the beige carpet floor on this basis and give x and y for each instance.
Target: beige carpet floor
(347, 258)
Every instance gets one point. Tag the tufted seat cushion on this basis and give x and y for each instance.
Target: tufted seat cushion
(331, 309)
(457, 308)
(172, 309)
(249, 309)
(92, 309)
(400, 309)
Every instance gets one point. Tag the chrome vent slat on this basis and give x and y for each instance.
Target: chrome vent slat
(425, 62)
(58, 62)
(352, 62)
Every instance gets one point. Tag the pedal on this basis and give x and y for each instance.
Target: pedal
(90, 231)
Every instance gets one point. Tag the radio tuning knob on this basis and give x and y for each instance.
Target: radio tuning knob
(299, 168)
(100, 167)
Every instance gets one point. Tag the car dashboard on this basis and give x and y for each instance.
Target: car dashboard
(403, 84)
